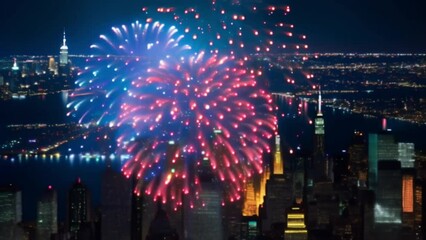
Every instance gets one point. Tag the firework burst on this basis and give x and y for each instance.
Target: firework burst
(199, 117)
(103, 84)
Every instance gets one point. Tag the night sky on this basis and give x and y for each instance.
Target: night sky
(35, 27)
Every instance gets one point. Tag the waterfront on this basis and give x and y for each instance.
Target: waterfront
(81, 158)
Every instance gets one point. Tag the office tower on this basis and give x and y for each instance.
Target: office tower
(358, 164)
(175, 214)
(388, 192)
(47, 214)
(63, 53)
(296, 228)
(10, 213)
(322, 206)
(10, 204)
(203, 218)
(160, 227)
(408, 190)
(78, 208)
(406, 154)
(115, 206)
(299, 175)
(340, 169)
(381, 146)
(320, 164)
(279, 195)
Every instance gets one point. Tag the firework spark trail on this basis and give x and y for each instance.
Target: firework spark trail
(233, 27)
(104, 82)
(192, 112)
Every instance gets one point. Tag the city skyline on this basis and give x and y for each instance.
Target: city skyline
(214, 120)
(330, 26)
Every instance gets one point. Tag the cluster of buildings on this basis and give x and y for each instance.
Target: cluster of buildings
(374, 190)
(31, 75)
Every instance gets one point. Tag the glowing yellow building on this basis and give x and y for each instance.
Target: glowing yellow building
(296, 228)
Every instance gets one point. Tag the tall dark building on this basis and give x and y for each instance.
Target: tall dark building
(10, 213)
(115, 206)
(358, 160)
(78, 208)
(137, 217)
(47, 214)
(160, 228)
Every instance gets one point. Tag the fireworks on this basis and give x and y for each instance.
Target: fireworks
(201, 116)
(188, 114)
(234, 28)
(103, 85)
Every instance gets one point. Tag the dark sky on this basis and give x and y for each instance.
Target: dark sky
(35, 27)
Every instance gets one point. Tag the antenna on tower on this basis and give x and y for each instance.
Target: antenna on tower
(319, 99)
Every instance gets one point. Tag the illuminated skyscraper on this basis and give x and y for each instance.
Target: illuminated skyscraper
(406, 154)
(408, 198)
(47, 215)
(388, 192)
(296, 228)
(63, 53)
(279, 195)
(250, 204)
(381, 146)
(320, 165)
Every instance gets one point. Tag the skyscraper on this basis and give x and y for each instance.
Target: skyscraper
(203, 219)
(115, 206)
(279, 195)
(381, 146)
(160, 227)
(63, 53)
(78, 208)
(358, 164)
(10, 204)
(388, 192)
(320, 165)
(406, 154)
(47, 214)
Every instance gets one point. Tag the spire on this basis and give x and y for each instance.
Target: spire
(319, 100)
(278, 161)
(64, 40)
